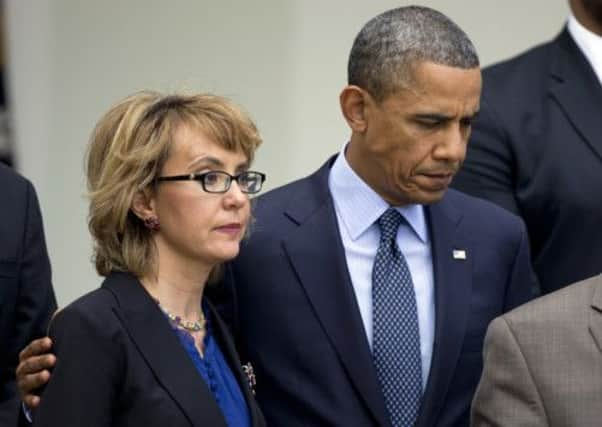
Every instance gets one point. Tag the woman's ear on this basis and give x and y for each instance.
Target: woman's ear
(143, 205)
(354, 101)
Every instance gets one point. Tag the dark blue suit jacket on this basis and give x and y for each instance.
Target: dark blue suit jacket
(299, 322)
(536, 149)
(26, 296)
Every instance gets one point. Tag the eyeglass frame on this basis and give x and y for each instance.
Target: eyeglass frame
(200, 177)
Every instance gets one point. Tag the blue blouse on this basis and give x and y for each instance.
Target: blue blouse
(218, 376)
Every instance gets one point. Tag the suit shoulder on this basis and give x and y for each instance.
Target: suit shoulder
(302, 197)
(555, 310)
(509, 83)
(280, 195)
(15, 187)
(94, 309)
(87, 334)
(531, 61)
(484, 212)
(9, 177)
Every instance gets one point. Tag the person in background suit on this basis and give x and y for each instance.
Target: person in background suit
(536, 148)
(168, 183)
(543, 364)
(363, 294)
(26, 296)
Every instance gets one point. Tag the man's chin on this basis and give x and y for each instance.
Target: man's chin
(431, 198)
(416, 197)
(428, 196)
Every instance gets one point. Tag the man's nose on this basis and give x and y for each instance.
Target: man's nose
(452, 147)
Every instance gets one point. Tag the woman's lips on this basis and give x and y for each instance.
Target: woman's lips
(232, 228)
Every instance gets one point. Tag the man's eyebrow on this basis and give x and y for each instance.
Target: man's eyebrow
(432, 117)
(470, 117)
(436, 117)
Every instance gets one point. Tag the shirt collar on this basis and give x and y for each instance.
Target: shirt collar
(359, 206)
(589, 43)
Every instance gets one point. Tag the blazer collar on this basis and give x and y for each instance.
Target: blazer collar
(164, 354)
(595, 322)
(324, 276)
(577, 90)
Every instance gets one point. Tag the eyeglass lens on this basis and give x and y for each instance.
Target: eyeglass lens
(249, 182)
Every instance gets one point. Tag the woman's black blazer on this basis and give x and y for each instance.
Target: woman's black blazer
(119, 363)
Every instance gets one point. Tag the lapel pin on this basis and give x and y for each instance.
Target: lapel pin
(459, 254)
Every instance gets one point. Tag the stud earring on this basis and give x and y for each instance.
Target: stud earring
(152, 223)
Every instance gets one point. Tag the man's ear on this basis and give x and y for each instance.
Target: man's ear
(354, 101)
(143, 205)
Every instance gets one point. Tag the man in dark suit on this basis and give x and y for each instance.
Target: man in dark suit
(536, 148)
(26, 295)
(307, 311)
(365, 290)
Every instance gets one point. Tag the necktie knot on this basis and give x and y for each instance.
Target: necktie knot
(389, 223)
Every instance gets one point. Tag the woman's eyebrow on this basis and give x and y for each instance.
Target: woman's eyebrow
(205, 160)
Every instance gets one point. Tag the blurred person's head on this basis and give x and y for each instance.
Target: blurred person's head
(413, 88)
(198, 216)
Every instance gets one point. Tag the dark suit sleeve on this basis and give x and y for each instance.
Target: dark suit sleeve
(34, 302)
(523, 285)
(86, 380)
(507, 394)
(489, 169)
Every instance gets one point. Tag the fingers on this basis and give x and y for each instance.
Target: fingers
(31, 401)
(34, 373)
(33, 369)
(28, 384)
(34, 365)
(35, 348)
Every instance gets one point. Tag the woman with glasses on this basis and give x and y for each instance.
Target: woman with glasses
(169, 186)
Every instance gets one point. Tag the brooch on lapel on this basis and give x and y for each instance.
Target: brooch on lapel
(247, 368)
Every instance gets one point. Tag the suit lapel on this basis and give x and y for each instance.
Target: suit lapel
(453, 283)
(578, 91)
(322, 271)
(228, 349)
(595, 321)
(162, 350)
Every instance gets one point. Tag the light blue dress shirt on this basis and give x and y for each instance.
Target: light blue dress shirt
(358, 207)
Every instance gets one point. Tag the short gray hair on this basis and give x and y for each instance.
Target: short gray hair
(387, 47)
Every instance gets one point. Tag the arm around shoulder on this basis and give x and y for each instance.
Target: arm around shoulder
(85, 382)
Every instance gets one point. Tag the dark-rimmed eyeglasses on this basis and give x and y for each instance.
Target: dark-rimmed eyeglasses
(249, 182)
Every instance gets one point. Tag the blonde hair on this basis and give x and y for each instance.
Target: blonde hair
(126, 153)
